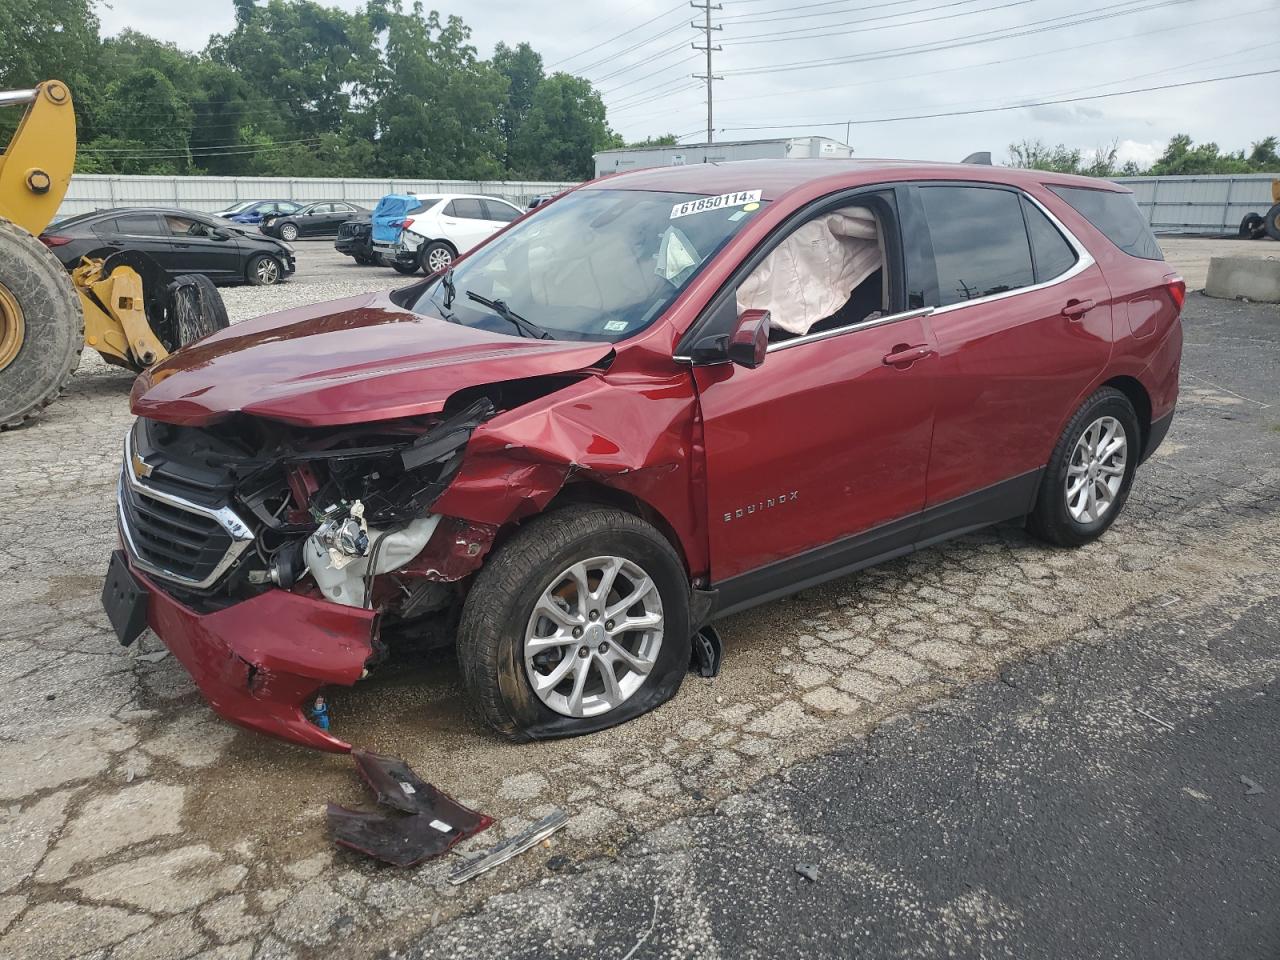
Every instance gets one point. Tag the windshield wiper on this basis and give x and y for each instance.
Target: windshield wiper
(446, 281)
(526, 327)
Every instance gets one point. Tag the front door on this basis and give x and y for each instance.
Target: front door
(194, 249)
(828, 438)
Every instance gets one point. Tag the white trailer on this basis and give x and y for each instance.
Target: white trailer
(617, 161)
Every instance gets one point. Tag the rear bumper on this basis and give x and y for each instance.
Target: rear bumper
(259, 662)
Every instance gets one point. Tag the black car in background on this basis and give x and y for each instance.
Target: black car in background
(319, 219)
(180, 241)
(355, 239)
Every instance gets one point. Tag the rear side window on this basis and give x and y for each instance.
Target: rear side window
(140, 225)
(1051, 253)
(1117, 216)
(425, 204)
(979, 242)
(466, 208)
(500, 211)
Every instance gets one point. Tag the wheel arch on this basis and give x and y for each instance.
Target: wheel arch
(594, 492)
(1137, 395)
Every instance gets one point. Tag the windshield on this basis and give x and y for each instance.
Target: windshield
(237, 207)
(594, 265)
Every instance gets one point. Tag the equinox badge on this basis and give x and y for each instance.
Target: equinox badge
(766, 504)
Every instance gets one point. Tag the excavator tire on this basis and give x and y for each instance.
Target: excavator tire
(41, 326)
(195, 308)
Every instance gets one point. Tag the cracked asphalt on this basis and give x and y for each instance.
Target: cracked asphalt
(990, 748)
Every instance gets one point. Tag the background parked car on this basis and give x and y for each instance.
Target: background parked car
(319, 219)
(181, 241)
(427, 232)
(255, 211)
(355, 239)
(542, 198)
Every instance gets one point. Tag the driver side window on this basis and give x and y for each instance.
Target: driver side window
(829, 273)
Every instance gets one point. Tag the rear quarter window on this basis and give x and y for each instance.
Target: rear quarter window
(1116, 216)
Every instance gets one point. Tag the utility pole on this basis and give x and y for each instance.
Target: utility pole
(709, 77)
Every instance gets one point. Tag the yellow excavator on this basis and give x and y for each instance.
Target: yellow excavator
(124, 306)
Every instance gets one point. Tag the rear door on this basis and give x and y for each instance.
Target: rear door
(464, 223)
(144, 232)
(1022, 320)
(499, 214)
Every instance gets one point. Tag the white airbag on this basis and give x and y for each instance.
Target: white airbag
(812, 273)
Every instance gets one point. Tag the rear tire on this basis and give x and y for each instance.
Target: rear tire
(1252, 226)
(499, 613)
(436, 256)
(196, 309)
(264, 270)
(1068, 520)
(41, 326)
(405, 268)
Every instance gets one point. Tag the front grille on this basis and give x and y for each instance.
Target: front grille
(172, 537)
(351, 229)
(189, 546)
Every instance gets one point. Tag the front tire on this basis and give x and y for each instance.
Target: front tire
(264, 271)
(1273, 222)
(289, 231)
(1087, 482)
(579, 622)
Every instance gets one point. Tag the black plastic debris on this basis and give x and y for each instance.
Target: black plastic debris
(708, 652)
(428, 823)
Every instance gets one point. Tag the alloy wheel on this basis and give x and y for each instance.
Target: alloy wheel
(289, 232)
(594, 636)
(268, 271)
(1096, 471)
(438, 259)
(12, 327)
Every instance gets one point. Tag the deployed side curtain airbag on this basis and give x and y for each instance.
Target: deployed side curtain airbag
(812, 273)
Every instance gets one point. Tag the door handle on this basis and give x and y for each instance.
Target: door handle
(1075, 309)
(904, 354)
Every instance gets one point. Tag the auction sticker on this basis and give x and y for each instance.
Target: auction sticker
(725, 200)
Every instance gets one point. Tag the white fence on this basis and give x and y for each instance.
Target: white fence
(1201, 204)
(98, 191)
(1197, 204)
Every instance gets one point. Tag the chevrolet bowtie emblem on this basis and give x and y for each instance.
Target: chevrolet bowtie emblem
(140, 467)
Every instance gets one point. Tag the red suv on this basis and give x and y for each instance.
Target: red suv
(665, 397)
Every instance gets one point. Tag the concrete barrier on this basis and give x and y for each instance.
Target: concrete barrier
(1247, 278)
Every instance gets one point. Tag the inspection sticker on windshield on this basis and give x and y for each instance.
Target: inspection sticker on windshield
(703, 204)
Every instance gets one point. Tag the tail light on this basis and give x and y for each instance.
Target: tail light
(52, 240)
(1177, 290)
(407, 222)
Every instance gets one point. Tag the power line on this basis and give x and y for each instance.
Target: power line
(1012, 106)
(618, 36)
(195, 151)
(747, 19)
(707, 27)
(826, 30)
(1002, 60)
(1004, 33)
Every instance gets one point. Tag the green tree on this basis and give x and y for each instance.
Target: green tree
(522, 67)
(439, 113)
(565, 126)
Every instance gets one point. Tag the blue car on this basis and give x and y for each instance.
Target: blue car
(253, 211)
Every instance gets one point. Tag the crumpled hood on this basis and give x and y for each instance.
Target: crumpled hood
(347, 361)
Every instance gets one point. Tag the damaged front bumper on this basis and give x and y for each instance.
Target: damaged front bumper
(258, 662)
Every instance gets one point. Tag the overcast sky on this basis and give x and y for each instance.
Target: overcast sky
(649, 91)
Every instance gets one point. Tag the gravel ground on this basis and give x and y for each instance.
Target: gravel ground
(134, 824)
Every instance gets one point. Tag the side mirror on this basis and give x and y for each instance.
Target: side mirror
(221, 235)
(749, 341)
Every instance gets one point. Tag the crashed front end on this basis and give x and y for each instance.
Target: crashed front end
(274, 560)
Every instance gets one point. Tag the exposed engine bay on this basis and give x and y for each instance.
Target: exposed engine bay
(325, 511)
